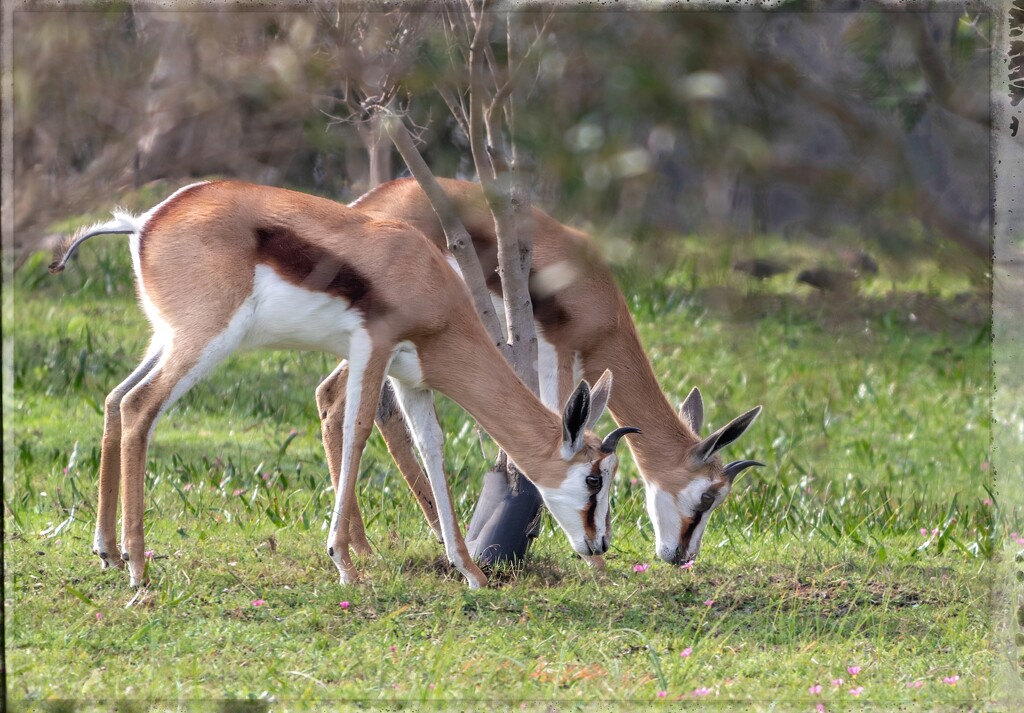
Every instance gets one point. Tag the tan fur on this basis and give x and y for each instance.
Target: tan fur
(600, 327)
(198, 254)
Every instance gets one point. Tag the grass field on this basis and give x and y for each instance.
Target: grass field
(856, 569)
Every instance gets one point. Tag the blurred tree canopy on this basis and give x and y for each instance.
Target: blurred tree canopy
(868, 126)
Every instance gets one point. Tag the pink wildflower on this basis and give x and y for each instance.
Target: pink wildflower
(641, 567)
(187, 486)
(951, 680)
(343, 605)
(149, 554)
(815, 689)
(633, 481)
(662, 694)
(837, 682)
(258, 602)
(820, 708)
(708, 602)
(701, 691)
(987, 501)
(853, 670)
(687, 565)
(685, 653)
(935, 531)
(430, 686)
(99, 615)
(237, 491)
(915, 684)
(924, 531)
(391, 648)
(855, 692)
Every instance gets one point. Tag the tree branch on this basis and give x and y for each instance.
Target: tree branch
(515, 248)
(459, 242)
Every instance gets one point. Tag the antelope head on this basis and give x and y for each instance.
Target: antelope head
(680, 510)
(580, 502)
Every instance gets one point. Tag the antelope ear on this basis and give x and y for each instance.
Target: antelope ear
(738, 466)
(574, 420)
(599, 396)
(692, 410)
(725, 435)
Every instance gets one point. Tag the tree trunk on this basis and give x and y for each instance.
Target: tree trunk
(507, 515)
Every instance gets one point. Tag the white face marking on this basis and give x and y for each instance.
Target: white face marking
(568, 504)
(668, 512)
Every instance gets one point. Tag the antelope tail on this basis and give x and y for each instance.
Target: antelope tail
(121, 224)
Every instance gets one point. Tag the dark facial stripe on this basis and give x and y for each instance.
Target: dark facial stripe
(313, 268)
(589, 525)
(687, 533)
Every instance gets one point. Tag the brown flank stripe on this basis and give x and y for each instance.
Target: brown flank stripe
(547, 310)
(313, 268)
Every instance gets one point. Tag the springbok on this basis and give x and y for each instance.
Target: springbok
(584, 327)
(224, 266)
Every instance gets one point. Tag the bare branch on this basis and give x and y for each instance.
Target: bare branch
(477, 119)
(459, 242)
(516, 72)
(456, 106)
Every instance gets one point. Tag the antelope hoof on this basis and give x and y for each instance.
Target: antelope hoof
(106, 561)
(477, 582)
(348, 573)
(136, 580)
(475, 576)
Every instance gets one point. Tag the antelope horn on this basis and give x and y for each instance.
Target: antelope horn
(612, 439)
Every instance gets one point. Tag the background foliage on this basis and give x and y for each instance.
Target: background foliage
(688, 144)
(863, 126)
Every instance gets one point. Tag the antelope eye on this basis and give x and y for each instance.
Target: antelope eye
(594, 482)
(707, 500)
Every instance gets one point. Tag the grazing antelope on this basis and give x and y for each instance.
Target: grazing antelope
(584, 327)
(225, 266)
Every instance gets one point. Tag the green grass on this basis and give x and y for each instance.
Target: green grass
(874, 428)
